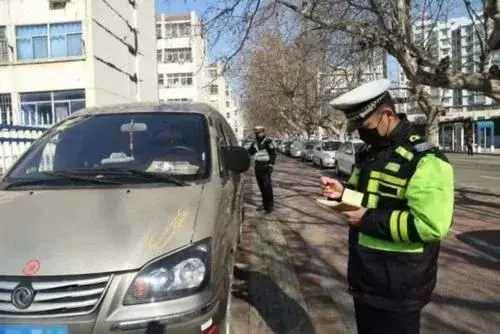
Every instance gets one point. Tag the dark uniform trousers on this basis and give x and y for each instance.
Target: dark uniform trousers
(371, 320)
(263, 176)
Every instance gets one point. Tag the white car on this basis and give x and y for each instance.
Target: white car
(324, 154)
(297, 149)
(346, 156)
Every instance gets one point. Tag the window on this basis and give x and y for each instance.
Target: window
(159, 56)
(178, 55)
(176, 30)
(5, 109)
(158, 31)
(49, 41)
(47, 108)
(181, 100)
(214, 89)
(4, 46)
(161, 80)
(227, 104)
(228, 115)
(175, 80)
(212, 74)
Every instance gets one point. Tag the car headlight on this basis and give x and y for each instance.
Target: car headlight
(178, 275)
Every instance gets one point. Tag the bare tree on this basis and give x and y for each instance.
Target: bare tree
(385, 24)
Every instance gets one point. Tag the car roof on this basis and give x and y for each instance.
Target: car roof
(195, 108)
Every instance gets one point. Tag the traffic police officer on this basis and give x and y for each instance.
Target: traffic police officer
(265, 156)
(404, 188)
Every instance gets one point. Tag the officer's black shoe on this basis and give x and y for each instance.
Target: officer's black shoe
(268, 211)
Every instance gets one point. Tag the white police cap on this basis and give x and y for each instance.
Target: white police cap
(361, 102)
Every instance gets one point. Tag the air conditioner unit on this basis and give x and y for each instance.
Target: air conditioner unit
(57, 4)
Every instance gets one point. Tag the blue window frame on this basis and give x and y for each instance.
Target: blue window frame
(43, 109)
(43, 41)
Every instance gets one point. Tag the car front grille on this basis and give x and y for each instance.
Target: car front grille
(54, 296)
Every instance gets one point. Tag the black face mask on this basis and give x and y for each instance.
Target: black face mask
(372, 137)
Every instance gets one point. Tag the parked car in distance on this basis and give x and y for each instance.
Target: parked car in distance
(309, 150)
(286, 149)
(130, 216)
(346, 156)
(297, 149)
(324, 154)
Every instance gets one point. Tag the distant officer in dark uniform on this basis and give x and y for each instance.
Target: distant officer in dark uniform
(264, 154)
(404, 187)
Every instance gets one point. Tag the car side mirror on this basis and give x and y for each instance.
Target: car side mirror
(236, 159)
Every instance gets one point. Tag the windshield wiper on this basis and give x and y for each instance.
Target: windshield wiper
(120, 172)
(59, 176)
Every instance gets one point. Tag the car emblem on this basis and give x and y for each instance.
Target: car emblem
(31, 268)
(22, 297)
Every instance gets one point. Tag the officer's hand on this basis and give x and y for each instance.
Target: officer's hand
(354, 217)
(331, 188)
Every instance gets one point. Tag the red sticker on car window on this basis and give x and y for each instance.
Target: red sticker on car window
(31, 268)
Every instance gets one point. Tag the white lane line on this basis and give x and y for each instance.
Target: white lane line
(490, 177)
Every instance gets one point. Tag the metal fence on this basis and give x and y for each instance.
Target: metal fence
(14, 141)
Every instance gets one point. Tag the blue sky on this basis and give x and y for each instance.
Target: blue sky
(182, 6)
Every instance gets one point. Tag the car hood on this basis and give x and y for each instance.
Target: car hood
(86, 231)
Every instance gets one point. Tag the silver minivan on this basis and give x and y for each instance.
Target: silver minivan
(123, 219)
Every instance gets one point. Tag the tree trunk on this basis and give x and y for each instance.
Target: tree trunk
(432, 131)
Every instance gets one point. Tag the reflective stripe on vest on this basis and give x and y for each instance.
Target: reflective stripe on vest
(404, 153)
(262, 155)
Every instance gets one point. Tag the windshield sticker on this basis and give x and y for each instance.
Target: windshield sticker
(157, 242)
(117, 157)
(173, 167)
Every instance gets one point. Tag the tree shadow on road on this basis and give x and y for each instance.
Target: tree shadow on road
(282, 314)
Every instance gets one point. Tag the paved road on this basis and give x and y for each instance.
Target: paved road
(292, 264)
(478, 171)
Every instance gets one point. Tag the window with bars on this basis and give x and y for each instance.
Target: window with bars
(179, 80)
(214, 89)
(4, 46)
(5, 109)
(161, 80)
(212, 74)
(46, 108)
(44, 41)
(158, 31)
(159, 56)
(182, 55)
(176, 30)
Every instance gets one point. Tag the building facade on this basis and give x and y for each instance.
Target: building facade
(58, 56)
(181, 58)
(184, 74)
(470, 116)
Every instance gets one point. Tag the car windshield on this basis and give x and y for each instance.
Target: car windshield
(331, 145)
(124, 148)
